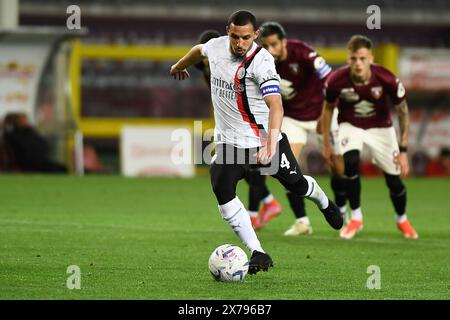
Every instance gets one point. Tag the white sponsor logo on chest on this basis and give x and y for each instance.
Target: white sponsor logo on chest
(348, 95)
(364, 109)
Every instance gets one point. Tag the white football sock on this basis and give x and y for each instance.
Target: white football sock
(253, 213)
(401, 218)
(304, 220)
(234, 213)
(316, 194)
(268, 199)
(357, 214)
(343, 209)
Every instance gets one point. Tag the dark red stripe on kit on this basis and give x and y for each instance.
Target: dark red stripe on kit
(242, 99)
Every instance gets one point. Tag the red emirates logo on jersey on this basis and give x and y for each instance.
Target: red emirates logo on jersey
(376, 92)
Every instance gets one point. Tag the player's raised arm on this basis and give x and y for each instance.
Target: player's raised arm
(327, 113)
(403, 119)
(178, 70)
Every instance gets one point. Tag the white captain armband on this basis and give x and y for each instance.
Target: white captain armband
(270, 87)
(268, 90)
(321, 67)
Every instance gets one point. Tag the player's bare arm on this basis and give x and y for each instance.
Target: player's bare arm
(266, 153)
(319, 126)
(403, 118)
(325, 120)
(178, 70)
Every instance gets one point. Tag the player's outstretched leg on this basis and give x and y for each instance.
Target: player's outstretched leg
(224, 179)
(329, 209)
(290, 176)
(309, 188)
(234, 213)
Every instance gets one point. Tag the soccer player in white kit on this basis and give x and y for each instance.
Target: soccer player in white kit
(248, 113)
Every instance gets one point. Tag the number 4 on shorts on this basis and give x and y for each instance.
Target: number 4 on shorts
(284, 162)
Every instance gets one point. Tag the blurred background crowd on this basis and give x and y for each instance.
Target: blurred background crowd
(114, 72)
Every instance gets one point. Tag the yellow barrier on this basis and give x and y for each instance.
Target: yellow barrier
(111, 127)
(388, 55)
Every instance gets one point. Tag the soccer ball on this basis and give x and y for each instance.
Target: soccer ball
(228, 263)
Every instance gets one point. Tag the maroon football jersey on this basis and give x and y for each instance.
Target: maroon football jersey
(365, 106)
(302, 73)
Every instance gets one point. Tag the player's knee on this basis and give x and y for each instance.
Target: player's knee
(351, 164)
(395, 184)
(223, 193)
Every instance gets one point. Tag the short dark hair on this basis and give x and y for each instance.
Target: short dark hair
(357, 42)
(270, 28)
(241, 18)
(207, 35)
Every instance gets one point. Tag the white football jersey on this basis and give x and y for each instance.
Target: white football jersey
(238, 88)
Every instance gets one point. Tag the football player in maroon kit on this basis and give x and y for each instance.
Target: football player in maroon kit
(303, 72)
(363, 93)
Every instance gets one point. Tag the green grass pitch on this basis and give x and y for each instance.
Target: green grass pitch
(151, 239)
